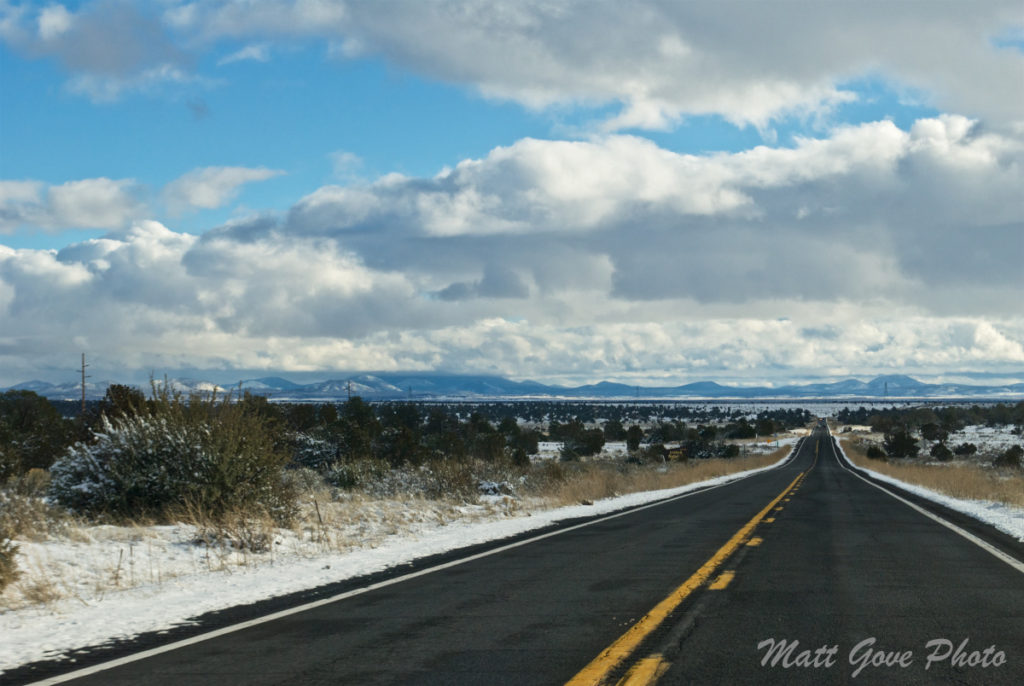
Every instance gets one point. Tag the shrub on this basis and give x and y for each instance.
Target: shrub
(356, 474)
(1011, 457)
(876, 453)
(965, 449)
(315, 450)
(941, 452)
(32, 433)
(191, 455)
(8, 563)
(901, 444)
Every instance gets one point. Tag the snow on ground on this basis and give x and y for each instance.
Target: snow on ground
(177, 579)
(548, 450)
(1006, 518)
(989, 439)
(765, 446)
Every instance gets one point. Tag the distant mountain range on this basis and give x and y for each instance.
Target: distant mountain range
(390, 386)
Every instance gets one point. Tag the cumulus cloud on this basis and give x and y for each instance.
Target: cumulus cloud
(99, 203)
(871, 210)
(870, 249)
(212, 187)
(662, 60)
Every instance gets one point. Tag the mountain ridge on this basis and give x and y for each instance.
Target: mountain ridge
(427, 385)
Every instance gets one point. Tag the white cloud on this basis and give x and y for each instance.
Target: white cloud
(100, 203)
(602, 258)
(259, 52)
(661, 59)
(54, 20)
(212, 187)
(104, 88)
(345, 164)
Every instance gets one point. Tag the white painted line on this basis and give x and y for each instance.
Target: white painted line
(135, 657)
(1008, 559)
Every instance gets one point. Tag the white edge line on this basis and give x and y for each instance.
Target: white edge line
(135, 657)
(1008, 559)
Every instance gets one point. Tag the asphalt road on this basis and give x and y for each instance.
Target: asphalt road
(684, 592)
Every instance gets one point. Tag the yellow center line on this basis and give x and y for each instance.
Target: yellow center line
(611, 657)
(645, 672)
(722, 581)
(756, 540)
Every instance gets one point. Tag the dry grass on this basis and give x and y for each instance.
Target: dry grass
(37, 586)
(604, 480)
(956, 479)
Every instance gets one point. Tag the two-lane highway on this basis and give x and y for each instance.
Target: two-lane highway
(698, 589)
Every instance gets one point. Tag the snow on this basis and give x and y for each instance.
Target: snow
(1006, 518)
(989, 439)
(132, 580)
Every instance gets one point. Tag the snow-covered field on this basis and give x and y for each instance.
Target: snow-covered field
(989, 439)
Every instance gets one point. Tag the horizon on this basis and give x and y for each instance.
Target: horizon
(650, 194)
(964, 382)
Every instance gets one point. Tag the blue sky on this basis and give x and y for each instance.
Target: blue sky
(567, 192)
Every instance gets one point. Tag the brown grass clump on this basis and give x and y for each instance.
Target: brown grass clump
(593, 481)
(24, 515)
(957, 480)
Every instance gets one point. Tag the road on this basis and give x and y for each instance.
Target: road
(683, 592)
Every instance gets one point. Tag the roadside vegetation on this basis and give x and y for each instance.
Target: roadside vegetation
(933, 447)
(238, 468)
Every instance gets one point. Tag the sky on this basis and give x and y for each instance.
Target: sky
(646, 192)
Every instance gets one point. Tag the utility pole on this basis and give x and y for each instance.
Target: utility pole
(84, 377)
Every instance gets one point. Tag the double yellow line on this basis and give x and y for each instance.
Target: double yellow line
(647, 670)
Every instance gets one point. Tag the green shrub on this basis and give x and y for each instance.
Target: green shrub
(32, 433)
(196, 454)
(876, 453)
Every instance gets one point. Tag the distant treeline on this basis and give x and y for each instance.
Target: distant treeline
(948, 419)
(34, 432)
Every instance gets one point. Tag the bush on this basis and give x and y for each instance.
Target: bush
(314, 450)
(8, 564)
(1011, 458)
(900, 444)
(356, 474)
(729, 450)
(876, 453)
(196, 455)
(32, 433)
(941, 452)
(965, 449)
